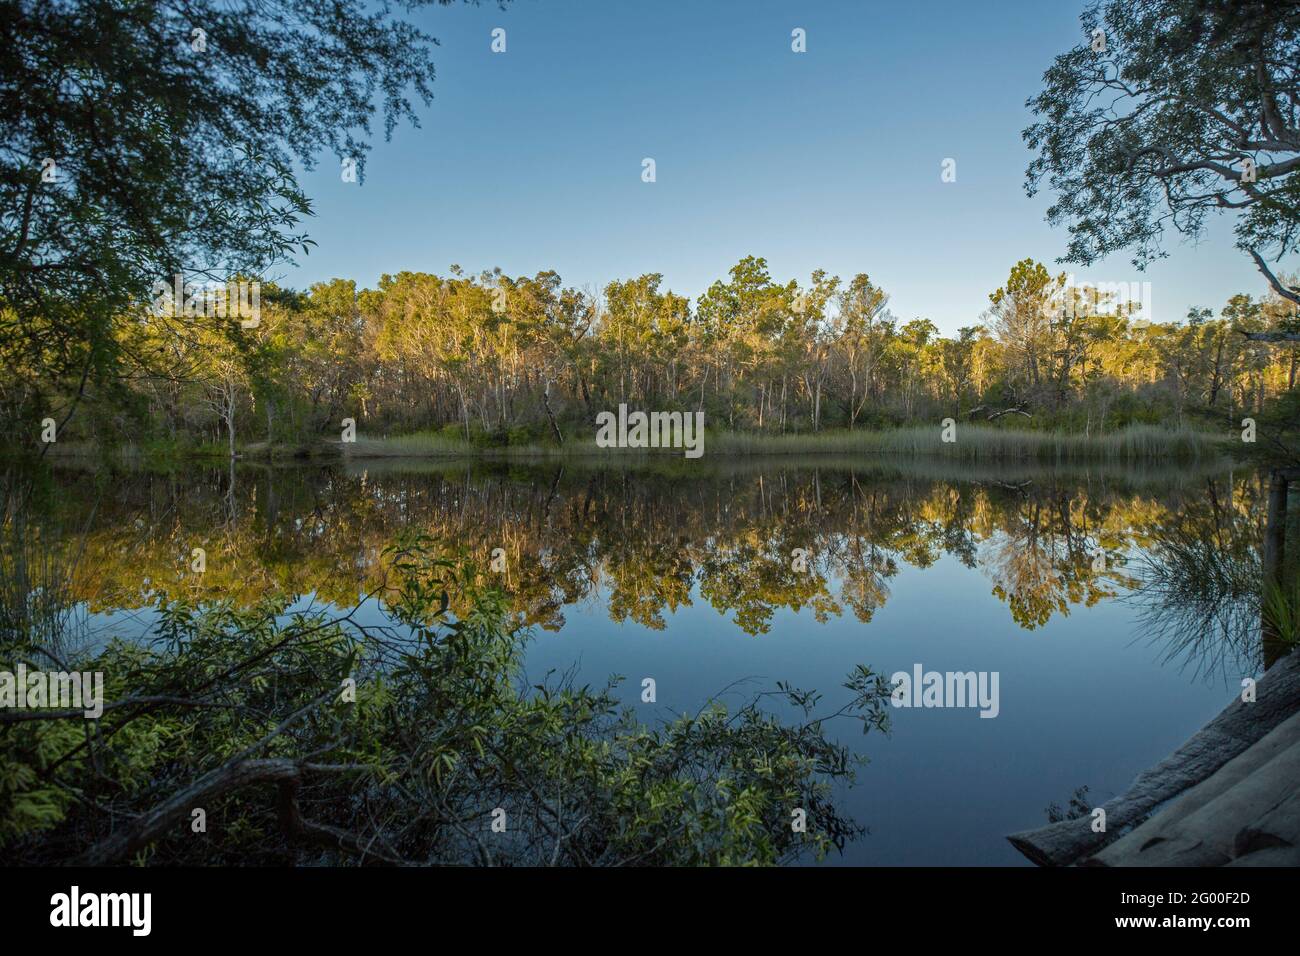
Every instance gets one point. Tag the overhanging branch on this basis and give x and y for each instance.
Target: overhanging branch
(1285, 292)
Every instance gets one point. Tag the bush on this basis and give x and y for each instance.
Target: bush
(223, 704)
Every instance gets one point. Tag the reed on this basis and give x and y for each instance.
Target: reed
(974, 443)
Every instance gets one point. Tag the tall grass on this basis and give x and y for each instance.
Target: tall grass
(974, 443)
(435, 445)
(987, 443)
(1281, 609)
(36, 604)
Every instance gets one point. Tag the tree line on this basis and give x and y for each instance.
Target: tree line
(495, 358)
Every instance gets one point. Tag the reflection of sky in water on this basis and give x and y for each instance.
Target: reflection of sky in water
(1082, 702)
(1084, 699)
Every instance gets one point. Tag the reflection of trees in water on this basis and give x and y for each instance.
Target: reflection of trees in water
(646, 543)
(1041, 560)
(1198, 582)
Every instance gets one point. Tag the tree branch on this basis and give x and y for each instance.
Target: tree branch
(1285, 292)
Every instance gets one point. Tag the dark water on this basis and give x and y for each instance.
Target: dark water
(684, 574)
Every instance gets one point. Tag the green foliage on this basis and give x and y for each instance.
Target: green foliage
(976, 442)
(172, 153)
(1153, 130)
(503, 364)
(443, 731)
(1281, 610)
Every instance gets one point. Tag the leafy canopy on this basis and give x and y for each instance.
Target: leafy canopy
(1151, 123)
(145, 138)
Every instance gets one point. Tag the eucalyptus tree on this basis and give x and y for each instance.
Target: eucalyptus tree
(1169, 111)
(1020, 315)
(738, 321)
(862, 307)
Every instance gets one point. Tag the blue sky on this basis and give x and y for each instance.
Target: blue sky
(531, 159)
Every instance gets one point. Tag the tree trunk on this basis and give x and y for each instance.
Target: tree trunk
(230, 422)
(546, 401)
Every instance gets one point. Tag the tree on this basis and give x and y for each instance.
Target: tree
(956, 360)
(157, 138)
(1021, 316)
(816, 336)
(1171, 110)
(861, 304)
(738, 319)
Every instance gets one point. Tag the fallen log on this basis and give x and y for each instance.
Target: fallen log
(139, 833)
(1250, 804)
(1017, 409)
(154, 824)
(1239, 768)
(1231, 733)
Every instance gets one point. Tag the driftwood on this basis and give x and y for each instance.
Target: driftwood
(324, 835)
(1249, 805)
(1015, 406)
(1017, 409)
(1234, 731)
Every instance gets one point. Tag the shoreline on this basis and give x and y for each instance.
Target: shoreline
(1134, 444)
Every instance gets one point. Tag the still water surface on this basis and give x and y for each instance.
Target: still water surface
(1085, 591)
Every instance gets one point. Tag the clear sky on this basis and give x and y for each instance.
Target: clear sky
(531, 159)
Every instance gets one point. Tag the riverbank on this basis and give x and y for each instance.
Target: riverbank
(1136, 444)
(971, 443)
